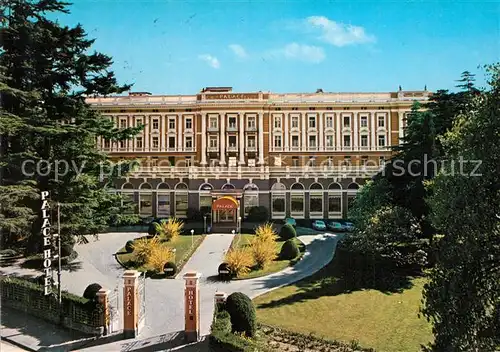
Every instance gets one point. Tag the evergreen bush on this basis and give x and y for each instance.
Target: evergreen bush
(289, 250)
(129, 246)
(242, 312)
(287, 232)
(90, 292)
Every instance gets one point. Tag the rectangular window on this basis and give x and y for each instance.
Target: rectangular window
(295, 141)
(312, 121)
(381, 121)
(312, 161)
(122, 144)
(364, 121)
(189, 123)
(232, 122)
(295, 161)
(347, 161)
(171, 124)
(381, 140)
(123, 123)
(329, 141)
(277, 141)
(213, 122)
(347, 141)
(155, 124)
(347, 121)
(251, 141)
(277, 122)
(232, 141)
(106, 143)
(187, 161)
(138, 142)
(189, 142)
(138, 122)
(171, 142)
(364, 140)
(364, 160)
(155, 142)
(329, 122)
(381, 160)
(334, 204)
(295, 122)
(251, 122)
(163, 204)
(213, 142)
(312, 141)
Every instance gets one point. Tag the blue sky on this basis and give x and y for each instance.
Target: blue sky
(179, 47)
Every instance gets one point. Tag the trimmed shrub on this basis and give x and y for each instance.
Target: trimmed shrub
(242, 312)
(143, 248)
(158, 257)
(287, 232)
(289, 250)
(222, 322)
(90, 292)
(129, 246)
(66, 249)
(170, 265)
(258, 214)
(169, 230)
(152, 229)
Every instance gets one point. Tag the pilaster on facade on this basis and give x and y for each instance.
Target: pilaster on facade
(203, 139)
(401, 116)
(304, 130)
(373, 125)
(355, 131)
(321, 133)
(261, 138)
(222, 122)
(180, 138)
(286, 122)
(241, 134)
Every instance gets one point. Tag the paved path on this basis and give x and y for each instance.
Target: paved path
(165, 298)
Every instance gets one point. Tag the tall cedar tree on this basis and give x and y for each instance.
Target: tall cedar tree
(53, 63)
(462, 298)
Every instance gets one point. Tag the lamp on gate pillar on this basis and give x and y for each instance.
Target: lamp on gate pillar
(205, 223)
(239, 224)
(192, 237)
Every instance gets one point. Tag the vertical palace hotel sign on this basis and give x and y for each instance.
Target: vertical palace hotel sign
(48, 244)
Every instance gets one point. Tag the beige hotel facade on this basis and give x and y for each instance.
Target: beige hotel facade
(301, 155)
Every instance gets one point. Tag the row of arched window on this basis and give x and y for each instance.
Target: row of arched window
(249, 187)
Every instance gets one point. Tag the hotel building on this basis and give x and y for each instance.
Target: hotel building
(303, 155)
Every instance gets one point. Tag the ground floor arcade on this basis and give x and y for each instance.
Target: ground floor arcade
(297, 198)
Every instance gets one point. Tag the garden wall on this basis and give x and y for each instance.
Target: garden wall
(78, 313)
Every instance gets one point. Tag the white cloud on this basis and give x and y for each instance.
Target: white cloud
(238, 50)
(210, 60)
(338, 34)
(301, 52)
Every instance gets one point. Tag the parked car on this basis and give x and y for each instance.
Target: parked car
(291, 221)
(335, 226)
(319, 225)
(349, 226)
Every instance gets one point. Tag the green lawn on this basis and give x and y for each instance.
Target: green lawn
(243, 240)
(182, 245)
(326, 305)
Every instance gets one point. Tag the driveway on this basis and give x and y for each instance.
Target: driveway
(165, 298)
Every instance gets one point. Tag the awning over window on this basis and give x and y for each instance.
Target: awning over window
(225, 203)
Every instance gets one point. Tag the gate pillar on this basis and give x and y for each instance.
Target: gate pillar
(102, 298)
(192, 306)
(131, 303)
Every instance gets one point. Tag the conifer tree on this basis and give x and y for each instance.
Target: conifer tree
(57, 127)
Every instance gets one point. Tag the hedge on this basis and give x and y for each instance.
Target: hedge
(221, 338)
(29, 297)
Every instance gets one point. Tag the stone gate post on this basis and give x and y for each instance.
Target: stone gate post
(102, 298)
(192, 306)
(130, 303)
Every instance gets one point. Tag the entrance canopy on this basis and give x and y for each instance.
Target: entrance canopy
(225, 203)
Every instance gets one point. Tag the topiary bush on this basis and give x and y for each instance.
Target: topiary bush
(90, 292)
(66, 249)
(170, 265)
(289, 250)
(242, 312)
(129, 246)
(258, 214)
(152, 229)
(287, 232)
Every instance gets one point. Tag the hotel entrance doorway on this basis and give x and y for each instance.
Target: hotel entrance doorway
(225, 213)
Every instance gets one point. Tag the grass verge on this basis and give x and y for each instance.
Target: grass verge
(183, 251)
(385, 320)
(243, 240)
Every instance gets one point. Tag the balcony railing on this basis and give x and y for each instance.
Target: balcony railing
(251, 148)
(213, 129)
(213, 149)
(232, 128)
(251, 129)
(232, 148)
(262, 172)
